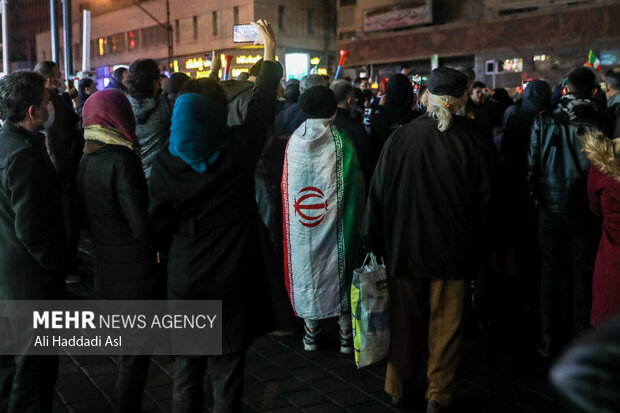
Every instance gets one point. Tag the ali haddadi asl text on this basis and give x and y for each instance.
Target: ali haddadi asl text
(81, 341)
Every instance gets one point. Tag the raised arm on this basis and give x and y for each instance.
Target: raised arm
(261, 109)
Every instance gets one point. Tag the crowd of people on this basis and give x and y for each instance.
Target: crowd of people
(265, 193)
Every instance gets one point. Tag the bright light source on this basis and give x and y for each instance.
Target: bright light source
(297, 65)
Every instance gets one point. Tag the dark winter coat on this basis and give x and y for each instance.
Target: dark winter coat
(604, 197)
(487, 115)
(383, 122)
(613, 113)
(114, 204)
(152, 126)
(355, 131)
(557, 166)
(65, 140)
(213, 222)
(288, 120)
(32, 255)
(430, 200)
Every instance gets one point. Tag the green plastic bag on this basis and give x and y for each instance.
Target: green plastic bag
(370, 312)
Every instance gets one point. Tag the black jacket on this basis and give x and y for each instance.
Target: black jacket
(213, 222)
(487, 115)
(430, 200)
(384, 121)
(114, 205)
(613, 112)
(355, 131)
(65, 139)
(557, 166)
(32, 256)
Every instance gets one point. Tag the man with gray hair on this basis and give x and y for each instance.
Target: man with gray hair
(345, 97)
(428, 212)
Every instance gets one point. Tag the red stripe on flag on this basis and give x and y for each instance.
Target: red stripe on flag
(288, 263)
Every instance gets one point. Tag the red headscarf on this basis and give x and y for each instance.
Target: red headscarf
(111, 108)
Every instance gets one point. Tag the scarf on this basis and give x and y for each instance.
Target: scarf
(110, 113)
(108, 136)
(198, 131)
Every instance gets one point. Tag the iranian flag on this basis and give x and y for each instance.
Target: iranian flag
(593, 61)
(323, 199)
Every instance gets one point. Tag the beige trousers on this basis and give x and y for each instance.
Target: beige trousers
(421, 309)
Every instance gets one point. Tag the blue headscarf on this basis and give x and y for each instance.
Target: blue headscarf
(198, 131)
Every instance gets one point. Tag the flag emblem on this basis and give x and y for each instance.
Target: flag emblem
(310, 206)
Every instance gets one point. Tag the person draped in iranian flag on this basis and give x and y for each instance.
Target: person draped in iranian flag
(323, 196)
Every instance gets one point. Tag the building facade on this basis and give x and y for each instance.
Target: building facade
(122, 32)
(26, 18)
(505, 41)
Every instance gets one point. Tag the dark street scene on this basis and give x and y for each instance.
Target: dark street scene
(310, 206)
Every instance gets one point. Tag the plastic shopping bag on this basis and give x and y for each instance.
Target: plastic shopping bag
(370, 312)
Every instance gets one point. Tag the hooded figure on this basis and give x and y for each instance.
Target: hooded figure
(113, 194)
(396, 111)
(518, 211)
(202, 204)
(323, 195)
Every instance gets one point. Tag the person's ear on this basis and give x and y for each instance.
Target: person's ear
(32, 111)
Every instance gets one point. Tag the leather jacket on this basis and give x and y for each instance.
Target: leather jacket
(557, 166)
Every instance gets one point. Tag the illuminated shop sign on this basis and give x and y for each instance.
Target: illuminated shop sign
(199, 64)
(247, 60)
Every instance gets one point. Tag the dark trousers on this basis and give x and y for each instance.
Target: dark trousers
(226, 378)
(568, 246)
(71, 222)
(27, 383)
(132, 372)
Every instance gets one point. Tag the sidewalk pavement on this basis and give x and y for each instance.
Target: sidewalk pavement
(281, 377)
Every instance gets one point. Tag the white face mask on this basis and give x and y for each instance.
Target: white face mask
(50, 118)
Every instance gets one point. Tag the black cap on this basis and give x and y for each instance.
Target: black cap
(446, 81)
(318, 102)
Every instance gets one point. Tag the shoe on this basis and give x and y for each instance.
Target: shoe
(346, 343)
(545, 347)
(73, 278)
(433, 407)
(311, 340)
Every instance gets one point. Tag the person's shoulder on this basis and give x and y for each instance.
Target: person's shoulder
(13, 141)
